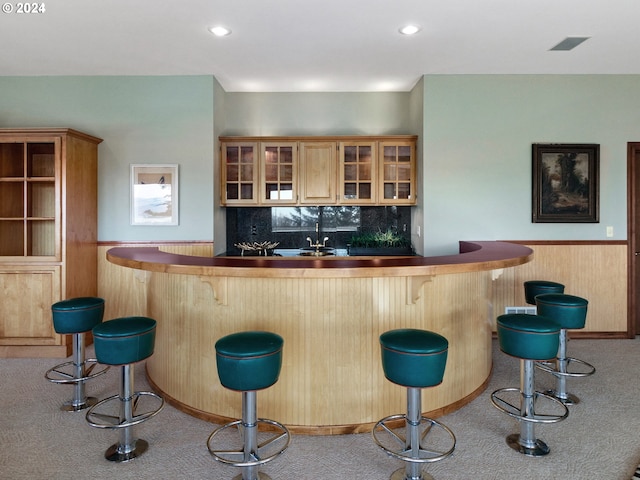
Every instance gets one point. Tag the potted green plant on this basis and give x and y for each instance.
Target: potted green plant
(379, 243)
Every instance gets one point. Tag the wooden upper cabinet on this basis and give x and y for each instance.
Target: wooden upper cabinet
(342, 170)
(318, 173)
(397, 185)
(30, 197)
(240, 173)
(279, 173)
(357, 173)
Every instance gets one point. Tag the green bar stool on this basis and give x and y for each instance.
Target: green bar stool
(76, 316)
(123, 342)
(570, 312)
(533, 288)
(414, 359)
(529, 338)
(247, 362)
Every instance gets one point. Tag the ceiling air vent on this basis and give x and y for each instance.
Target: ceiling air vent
(569, 43)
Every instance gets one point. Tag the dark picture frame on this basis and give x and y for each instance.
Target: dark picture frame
(566, 183)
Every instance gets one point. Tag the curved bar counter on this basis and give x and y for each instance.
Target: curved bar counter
(331, 312)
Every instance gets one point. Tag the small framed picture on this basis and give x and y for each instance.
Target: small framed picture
(154, 194)
(565, 183)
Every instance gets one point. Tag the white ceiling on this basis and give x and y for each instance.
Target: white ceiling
(319, 45)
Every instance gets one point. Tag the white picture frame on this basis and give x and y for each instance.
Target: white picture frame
(154, 194)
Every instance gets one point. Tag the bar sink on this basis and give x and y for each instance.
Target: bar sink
(315, 253)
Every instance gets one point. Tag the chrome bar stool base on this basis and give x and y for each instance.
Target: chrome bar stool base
(570, 313)
(251, 453)
(260, 476)
(401, 474)
(522, 407)
(538, 449)
(118, 452)
(410, 445)
(568, 399)
(70, 406)
(561, 368)
(76, 372)
(121, 412)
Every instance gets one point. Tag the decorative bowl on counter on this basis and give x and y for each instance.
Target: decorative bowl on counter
(256, 248)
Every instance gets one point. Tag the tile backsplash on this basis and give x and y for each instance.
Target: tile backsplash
(292, 225)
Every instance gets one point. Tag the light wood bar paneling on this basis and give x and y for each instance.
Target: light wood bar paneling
(124, 289)
(596, 271)
(331, 380)
(331, 313)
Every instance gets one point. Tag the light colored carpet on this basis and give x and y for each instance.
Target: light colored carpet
(599, 440)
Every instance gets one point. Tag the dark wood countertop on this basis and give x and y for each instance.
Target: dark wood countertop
(473, 256)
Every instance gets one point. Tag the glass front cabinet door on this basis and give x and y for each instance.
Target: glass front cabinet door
(239, 173)
(279, 164)
(397, 173)
(357, 173)
(30, 198)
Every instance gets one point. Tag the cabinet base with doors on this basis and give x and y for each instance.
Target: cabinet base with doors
(323, 170)
(48, 234)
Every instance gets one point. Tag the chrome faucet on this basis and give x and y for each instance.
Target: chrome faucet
(318, 245)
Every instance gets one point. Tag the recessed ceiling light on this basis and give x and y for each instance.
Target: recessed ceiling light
(220, 31)
(410, 29)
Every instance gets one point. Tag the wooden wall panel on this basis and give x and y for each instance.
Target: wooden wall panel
(597, 272)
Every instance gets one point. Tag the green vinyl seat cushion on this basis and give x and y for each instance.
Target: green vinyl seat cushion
(77, 315)
(533, 288)
(529, 337)
(413, 358)
(568, 311)
(125, 340)
(249, 360)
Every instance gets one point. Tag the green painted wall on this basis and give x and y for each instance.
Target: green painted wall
(141, 120)
(317, 113)
(478, 132)
(474, 161)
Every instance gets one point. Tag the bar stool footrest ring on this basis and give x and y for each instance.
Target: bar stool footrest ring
(552, 368)
(514, 411)
(57, 374)
(281, 433)
(104, 420)
(404, 454)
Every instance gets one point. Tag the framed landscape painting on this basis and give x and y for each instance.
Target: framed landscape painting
(154, 194)
(565, 183)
